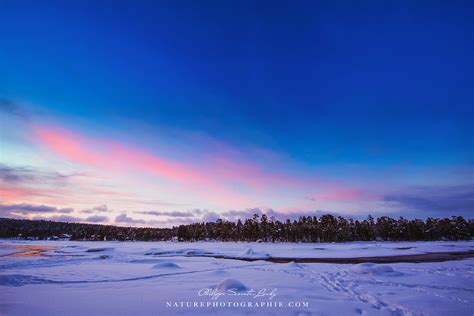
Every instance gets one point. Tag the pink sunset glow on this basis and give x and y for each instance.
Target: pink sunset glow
(214, 179)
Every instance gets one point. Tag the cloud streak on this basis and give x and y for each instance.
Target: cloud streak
(124, 218)
(23, 174)
(170, 214)
(97, 219)
(457, 199)
(59, 218)
(223, 180)
(29, 208)
(101, 208)
(45, 212)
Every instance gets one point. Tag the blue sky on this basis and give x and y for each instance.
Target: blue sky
(365, 104)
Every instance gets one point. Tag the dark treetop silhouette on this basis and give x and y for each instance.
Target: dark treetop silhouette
(326, 228)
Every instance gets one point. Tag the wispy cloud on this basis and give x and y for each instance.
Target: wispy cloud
(101, 208)
(22, 193)
(124, 218)
(222, 179)
(29, 208)
(45, 212)
(24, 174)
(97, 219)
(170, 214)
(59, 218)
(458, 199)
(15, 174)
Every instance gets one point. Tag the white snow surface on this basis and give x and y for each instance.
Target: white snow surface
(154, 278)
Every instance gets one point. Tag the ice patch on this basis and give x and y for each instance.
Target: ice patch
(20, 280)
(99, 249)
(373, 269)
(293, 264)
(220, 272)
(232, 284)
(150, 261)
(5, 251)
(148, 252)
(167, 265)
(405, 248)
(190, 252)
(71, 249)
(250, 253)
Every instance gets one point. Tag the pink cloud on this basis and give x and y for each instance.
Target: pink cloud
(19, 194)
(139, 159)
(67, 144)
(110, 154)
(214, 180)
(10, 193)
(15, 193)
(117, 157)
(340, 195)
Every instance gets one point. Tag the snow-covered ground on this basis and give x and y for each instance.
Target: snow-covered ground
(166, 278)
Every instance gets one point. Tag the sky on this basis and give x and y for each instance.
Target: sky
(160, 113)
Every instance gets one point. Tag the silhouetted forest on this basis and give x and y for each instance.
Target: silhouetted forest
(326, 228)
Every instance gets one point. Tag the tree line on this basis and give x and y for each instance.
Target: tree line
(42, 229)
(327, 228)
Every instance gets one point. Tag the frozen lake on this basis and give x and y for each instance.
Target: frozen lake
(166, 278)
